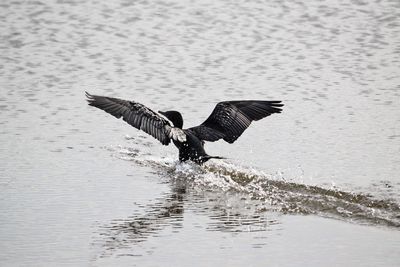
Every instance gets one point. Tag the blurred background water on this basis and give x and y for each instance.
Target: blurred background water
(317, 185)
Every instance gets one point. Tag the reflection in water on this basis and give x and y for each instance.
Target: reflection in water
(227, 213)
(234, 199)
(137, 228)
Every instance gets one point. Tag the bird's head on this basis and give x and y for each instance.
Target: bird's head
(174, 116)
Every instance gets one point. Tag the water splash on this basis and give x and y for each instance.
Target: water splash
(234, 199)
(270, 191)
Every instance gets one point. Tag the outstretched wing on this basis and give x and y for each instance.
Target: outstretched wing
(230, 119)
(136, 114)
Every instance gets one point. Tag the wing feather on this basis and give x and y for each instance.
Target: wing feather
(136, 114)
(230, 119)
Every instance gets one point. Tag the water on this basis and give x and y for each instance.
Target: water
(317, 185)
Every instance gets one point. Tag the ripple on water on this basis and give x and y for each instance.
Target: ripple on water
(235, 199)
(273, 193)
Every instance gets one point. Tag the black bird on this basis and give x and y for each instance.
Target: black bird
(228, 121)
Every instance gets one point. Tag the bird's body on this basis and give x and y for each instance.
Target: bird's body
(192, 149)
(228, 121)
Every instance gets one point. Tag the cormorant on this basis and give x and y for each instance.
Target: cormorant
(228, 121)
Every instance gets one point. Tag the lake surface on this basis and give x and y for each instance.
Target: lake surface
(317, 185)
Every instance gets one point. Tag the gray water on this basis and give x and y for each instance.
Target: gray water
(317, 185)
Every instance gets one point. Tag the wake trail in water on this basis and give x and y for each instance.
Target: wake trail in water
(272, 192)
